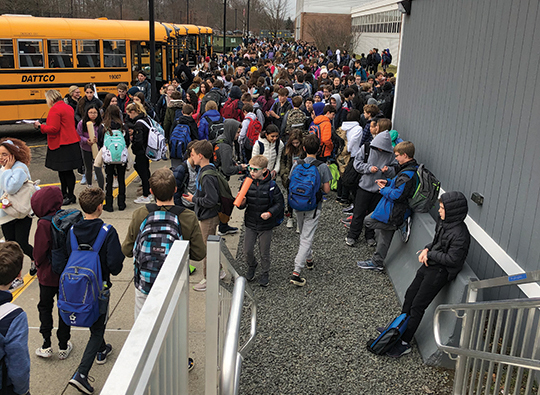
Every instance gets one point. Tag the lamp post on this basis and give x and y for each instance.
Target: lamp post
(187, 12)
(152, 50)
(248, 17)
(224, 24)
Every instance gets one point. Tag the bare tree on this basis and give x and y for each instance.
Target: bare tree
(328, 33)
(276, 14)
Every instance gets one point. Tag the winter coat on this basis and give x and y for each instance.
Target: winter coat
(46, 201)
(82, 131)
(83, 105)
(206, 197)
(354, 133)
(224, 149)
(173, 108)
(139, 139)
(60, 127)
(269, 151)
(161, 108)
(14, 350)
(393, 208)
(377, 158)
(73, 104)
(214, 95)
(203, 130)
(326, 134)
(263, 196)
(280, 110)
(450, 245)
(250, 116)
(287, 162)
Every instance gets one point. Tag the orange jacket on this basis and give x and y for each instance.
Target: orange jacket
(325, 127)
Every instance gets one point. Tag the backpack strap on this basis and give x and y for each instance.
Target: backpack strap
(73, 240)
(6, 309)
(101, 237)
(367, 148)
(144, 123)
(261, 147)
(151, 207)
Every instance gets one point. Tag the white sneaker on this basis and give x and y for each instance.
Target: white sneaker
(63, 354)
(290, 223)
(17, 283)
(201, 287)
(44, 352)
(222, 274)
(297, 228)
(83, 180)
(143, 200)
(115, 182)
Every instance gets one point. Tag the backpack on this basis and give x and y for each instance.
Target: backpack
(180, 138)
(181, 174)
(61, 223)
(230, 110)
(335, 176)
(276, 146)
(316, 129)
(214, 128)
(427, 191)
(81, 282)
(304, 186)
(177, 115)
(226, 198)
(338, 144)
(389, 336)
(350, 177)
(156, 149)
(159, 230)
(295, 120)
(253, 131)
(114, 150)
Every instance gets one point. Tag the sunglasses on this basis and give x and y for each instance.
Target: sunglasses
(254, 168)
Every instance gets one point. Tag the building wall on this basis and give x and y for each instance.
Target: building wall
(363, 42)
(467, 97)
(308, 18)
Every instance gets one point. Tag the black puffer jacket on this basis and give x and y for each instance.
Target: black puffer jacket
(139, 139)
(452, 239)
(263, 196)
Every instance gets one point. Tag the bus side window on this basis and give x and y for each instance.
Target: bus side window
(114, 53)
(88, 53)
(30, 53)
(60, 53)
(6, 54)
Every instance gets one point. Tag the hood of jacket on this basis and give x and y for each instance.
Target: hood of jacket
(337, 96)
(383, 141)
(236, 93)
(320, 119)
(318, 108)
(455, 208)
(348, 125)
(230, 128)
(46, 201)
(175, 103)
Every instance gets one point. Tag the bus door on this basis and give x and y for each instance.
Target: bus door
(140, 60)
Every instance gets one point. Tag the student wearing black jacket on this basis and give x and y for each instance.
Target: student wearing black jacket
(442, 260)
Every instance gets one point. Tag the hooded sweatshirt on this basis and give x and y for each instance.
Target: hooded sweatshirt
(450, 245)
(224, 148)
(46, 201)
(354, 134)
(377, 158)
(170, 115)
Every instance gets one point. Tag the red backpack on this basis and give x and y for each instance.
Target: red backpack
(253, 131)
(230, 110)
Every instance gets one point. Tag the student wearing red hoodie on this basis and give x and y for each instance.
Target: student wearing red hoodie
(322, 127)
(45, 203)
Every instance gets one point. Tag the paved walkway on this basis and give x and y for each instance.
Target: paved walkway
(51, 376)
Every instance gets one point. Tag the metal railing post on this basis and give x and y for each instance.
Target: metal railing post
(213, 258)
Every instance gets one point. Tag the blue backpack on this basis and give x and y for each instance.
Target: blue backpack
(180, 138)
(389, 336)
(81, 282)
(304, 186)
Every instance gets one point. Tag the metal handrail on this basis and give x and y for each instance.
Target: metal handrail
(232, 356)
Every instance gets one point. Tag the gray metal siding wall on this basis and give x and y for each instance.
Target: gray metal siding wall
(467, 97)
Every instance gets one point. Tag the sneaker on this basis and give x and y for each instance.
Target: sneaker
(115, 182)
(405, 230)
(101, 356)
(17, 283)
(201, 287)
(44, 352)
(227, 230)
(297, 228)
(143, 200)
(371, 242)
(250, 275)
(346, 224)
(290, 223)
(399, 349)
(347, 221)
(369, 265)
(222, 274)
(83, 180)
(264, 280)
(349, 209)
(109, 209)
(297, 280)
(309, 264)
(33, 269)
(350, 242)
(80, 381)
(190, 364)
(63, 354)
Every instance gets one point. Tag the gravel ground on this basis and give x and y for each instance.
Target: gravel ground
(312, 340)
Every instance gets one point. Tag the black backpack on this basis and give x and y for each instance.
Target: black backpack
(214, 128)
(389, 336)
(61, 223)
(427, 191)
(350, 176)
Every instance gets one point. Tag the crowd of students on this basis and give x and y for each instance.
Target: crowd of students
(281, 116)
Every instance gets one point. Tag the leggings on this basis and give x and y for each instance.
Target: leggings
(88, 166)
(19, 230)
(67, 182)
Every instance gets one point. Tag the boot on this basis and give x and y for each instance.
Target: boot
(121, 202)
(108, 204)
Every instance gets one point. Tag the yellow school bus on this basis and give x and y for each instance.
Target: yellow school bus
(37, 54)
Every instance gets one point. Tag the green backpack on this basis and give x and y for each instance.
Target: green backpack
(335, 176)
